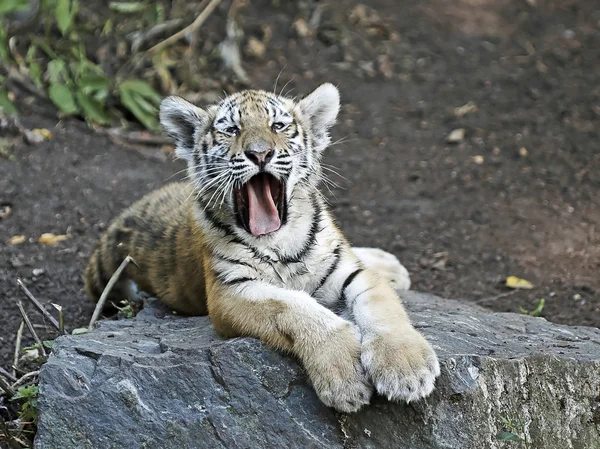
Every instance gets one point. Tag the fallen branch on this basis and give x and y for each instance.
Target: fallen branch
(61, 320)
(139, 39)
(18, 348)
(11, 441)
(141, 137)
(494, 298)
(7, 389)
(112, 281)
(39, 306)
(6, 374)
(37, 339)
(210, 7)
(234, 34)
(24, 378)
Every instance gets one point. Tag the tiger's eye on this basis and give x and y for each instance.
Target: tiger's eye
(277, 126)
(232, 130)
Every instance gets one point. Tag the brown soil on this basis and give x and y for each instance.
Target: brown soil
(461, 217)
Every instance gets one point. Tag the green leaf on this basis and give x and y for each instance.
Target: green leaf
(26, 393)
(538, 308)
(62, 97)
(6, 105)
(7, 6)
(508, 436)
(58, 72)
(141, 100)
(127, 7)
(35, 70)
(79, 331)
(130, 101)
(48, 343)
(91, 83)
(92, 108)
(64, 12)
(142, 88)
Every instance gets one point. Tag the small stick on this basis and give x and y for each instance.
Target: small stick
(188, 29)
(18, 347)
(61, 320)
(494, 298)
(38, 305)
(37, 339)
(24, 378)
(114, 278)
(12, 442)
(7, 388)
(7, 375)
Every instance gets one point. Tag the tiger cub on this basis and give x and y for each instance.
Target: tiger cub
(251, 242)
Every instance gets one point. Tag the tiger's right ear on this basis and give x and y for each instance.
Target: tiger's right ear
(182, 121)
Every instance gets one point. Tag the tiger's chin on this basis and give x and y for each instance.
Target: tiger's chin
(260, 204)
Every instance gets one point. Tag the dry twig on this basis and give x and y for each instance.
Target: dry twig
(112, 281)
(496, 297)
(14, 444)
(7, 389)
(6, 374)
(18, 347)
(141, 137)
(230, 48)
(210, 7)
(24, 378)
(39, 306)
(37, 339)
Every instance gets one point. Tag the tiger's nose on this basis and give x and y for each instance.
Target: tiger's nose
(260, 158)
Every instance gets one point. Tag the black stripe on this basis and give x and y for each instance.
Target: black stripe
(311, 238)
(227, 230)
(349, 280)
(340, 304)
(331, 269)
(236, 280)
(232, 261)
(214, 221)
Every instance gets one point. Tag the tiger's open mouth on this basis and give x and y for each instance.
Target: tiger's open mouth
(260, 204)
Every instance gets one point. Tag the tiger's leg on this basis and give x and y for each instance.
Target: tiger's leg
(400, 362)
(327, 345)
(385, 265)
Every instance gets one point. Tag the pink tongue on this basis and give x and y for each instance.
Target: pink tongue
(264, 217)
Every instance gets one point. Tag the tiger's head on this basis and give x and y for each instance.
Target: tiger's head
(249, 154)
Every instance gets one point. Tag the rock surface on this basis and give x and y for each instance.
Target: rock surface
(159, 381)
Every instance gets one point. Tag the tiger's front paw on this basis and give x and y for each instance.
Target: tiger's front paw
(337, 374)
(402, 365)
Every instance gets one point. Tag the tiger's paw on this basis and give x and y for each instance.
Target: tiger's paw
(385, 265)
(337, 374)
(402, 366)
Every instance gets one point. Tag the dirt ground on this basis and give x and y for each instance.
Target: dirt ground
(518, 196)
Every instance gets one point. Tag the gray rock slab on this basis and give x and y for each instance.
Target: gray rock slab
(159, 381)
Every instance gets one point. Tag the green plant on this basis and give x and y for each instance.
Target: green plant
(27, 396)
(537, 310)
(515, 431)
(58, 63)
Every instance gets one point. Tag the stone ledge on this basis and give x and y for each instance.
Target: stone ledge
(159, 381)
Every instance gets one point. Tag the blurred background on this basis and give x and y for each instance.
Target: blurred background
(467, 145)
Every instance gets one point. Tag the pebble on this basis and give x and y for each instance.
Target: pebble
(456, 136)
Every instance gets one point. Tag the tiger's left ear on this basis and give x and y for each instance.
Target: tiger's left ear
(182, 121)
(321, 108)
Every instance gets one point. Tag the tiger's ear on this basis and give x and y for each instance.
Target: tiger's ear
(182, 120)
(321, 108)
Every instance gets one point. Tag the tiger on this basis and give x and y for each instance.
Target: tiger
(250, 241)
